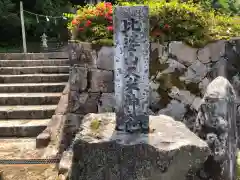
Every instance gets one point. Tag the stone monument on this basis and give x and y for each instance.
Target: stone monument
(131, 67)
(129, 144)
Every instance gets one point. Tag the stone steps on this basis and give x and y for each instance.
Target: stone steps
(22, 56)
(32, 87)
(24, 63)
(33, 78)
(22, 128)
(34, 70)
(29, 98)
(27, 112)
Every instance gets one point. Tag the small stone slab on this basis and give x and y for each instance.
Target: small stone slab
(105, 58)
(101, 81)
(65, 162)
(78, 78)
(43, 140)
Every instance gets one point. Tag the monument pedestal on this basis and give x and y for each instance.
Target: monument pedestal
(169, 152)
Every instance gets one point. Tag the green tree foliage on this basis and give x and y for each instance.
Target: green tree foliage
(231, 7)
(169, 21)
(10, 24)
(9, 20)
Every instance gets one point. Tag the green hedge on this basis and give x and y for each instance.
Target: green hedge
(185, 21)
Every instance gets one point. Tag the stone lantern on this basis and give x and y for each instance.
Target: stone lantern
(44, 41)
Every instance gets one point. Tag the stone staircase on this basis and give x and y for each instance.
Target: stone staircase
(30, 89)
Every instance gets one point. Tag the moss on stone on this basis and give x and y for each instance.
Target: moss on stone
(95, 125)
(105, 42)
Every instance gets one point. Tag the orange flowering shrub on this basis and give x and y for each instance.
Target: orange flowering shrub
(93, 23)
(169, 21)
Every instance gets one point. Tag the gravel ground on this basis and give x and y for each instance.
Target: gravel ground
(29, 172)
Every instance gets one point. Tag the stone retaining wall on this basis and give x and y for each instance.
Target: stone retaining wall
(91, 79)
(179, 75)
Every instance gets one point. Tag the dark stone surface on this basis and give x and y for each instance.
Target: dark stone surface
(101, 81)
(78, 78)
(83, 103)
(81, 54)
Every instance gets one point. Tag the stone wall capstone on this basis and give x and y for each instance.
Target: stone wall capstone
(179, 75)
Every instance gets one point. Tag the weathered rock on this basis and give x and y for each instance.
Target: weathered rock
(203, 85)
(66, 89)
(83, 103)
(182, 95)
(158, 50)
(196, 103)
(220, 67)
(65, 162)
(68, 131)
(184, 53)
(101, 81)
(173, 65)
(62, 177)
(216, 124)
(217, 50)
(43, 139)
(105, 58)
(175, 109)
(154, 85)
(82, 54)
(106, 103)
(100, 152)
(52, 134)
(78, 78)
(189, 119)
(76, 102)
(236, 82)
(195, 73)
(154, 100)
(204, 55)
(73, 121)
(62, 105)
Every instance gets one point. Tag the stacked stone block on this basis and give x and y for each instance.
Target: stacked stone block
(91, 79)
